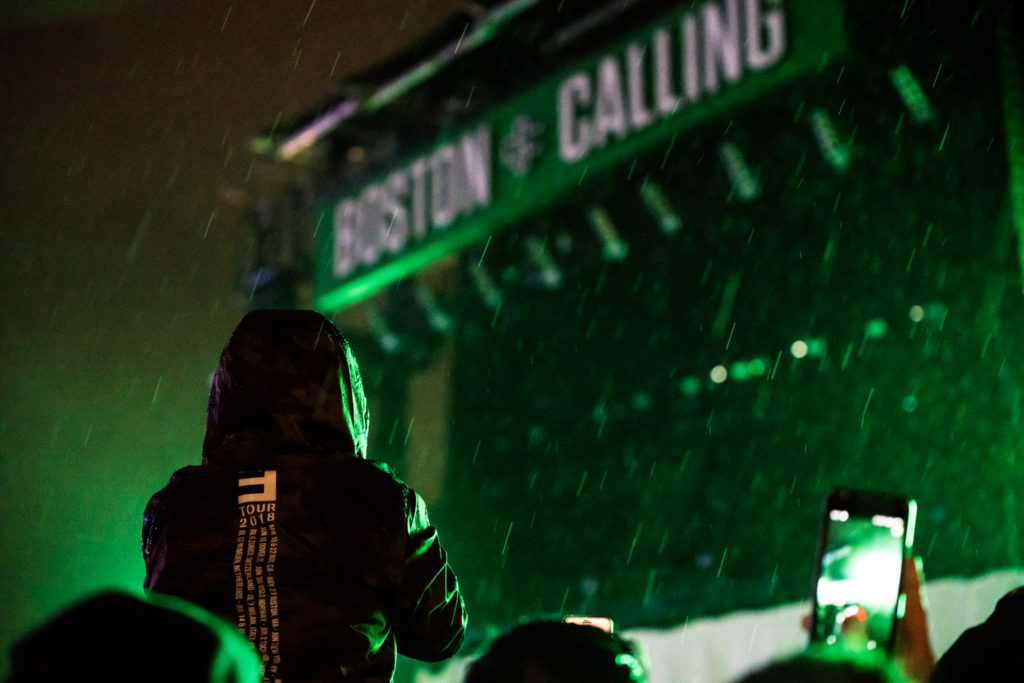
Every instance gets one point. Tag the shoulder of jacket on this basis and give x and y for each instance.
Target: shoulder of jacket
(383, 467)
(187, 472)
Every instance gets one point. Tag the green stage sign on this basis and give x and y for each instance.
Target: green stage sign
(634, 94)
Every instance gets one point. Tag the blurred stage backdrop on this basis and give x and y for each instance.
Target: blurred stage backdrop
(634, 284)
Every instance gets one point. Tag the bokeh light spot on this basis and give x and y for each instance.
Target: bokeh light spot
(757, 367)
(876, 328)
(690, 385)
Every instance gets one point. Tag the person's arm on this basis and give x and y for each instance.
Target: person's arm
(431, 615)
(152, 531)
(913, 649)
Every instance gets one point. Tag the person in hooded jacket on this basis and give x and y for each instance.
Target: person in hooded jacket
(324, 559)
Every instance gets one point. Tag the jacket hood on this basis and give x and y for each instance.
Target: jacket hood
(288, 381)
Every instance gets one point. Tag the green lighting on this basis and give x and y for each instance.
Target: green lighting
(1012, 77)
(236, 658)
(501, 190)
(876, 328)
(690, 385)
(636, 669)
(815, 347)
(757, 367)
(901, 605)
(908, 542)
(357, 289)
(739, 371)
(936, 310)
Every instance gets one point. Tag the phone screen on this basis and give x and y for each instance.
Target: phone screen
(865, 538)
(603, 623)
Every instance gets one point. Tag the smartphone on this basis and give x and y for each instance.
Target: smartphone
(863, 541)
(603, 623)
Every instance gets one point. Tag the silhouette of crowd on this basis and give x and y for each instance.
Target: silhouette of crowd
(288, 556)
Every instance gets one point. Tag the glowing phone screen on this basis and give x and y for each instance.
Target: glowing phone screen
(859, 582)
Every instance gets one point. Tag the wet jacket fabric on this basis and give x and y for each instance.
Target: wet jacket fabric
(324, 559)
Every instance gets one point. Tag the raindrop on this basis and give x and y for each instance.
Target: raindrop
(504, 547)
(636, 539)
(583, 481)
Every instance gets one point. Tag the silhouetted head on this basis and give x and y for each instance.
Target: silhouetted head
(287, 380)
(828, 665)
(120, 638)
(991, 651)
(556, 652)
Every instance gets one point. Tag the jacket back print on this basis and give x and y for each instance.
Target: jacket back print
(325, 560)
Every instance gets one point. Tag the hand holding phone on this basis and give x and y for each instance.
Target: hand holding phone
(603, 623)
(913, 646)
(864, 540)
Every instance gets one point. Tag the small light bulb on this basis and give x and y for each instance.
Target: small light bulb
(719, 374)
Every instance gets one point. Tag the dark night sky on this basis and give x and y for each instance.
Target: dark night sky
(119, 131)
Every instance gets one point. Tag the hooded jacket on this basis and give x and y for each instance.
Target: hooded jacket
(325, 560)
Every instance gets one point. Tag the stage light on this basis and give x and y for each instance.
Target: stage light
(537, 251)
(876, 328)
(835, 152)
(738, 371)
(484, 285)
(912, 94)
(668, 220)
(613, 246)
(690, 385)
(388, 341)
(439, 320)
(719, 374)
(744, 182)
(756, 367)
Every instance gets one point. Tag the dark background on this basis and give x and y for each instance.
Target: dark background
(586, 476)
(121, 127)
